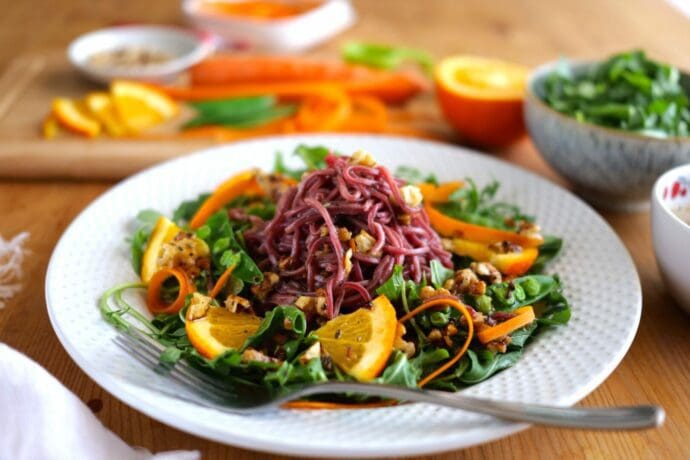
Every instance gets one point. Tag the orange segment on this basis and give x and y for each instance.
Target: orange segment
(511, 263)
(141, 106)
(102, 108)
(361, 342)
(220, 330)
(73, 115)
(482, 98)
(50, 127)
(164, 231)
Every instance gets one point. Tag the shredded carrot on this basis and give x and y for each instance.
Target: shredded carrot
(331, 405)
(222, 281)
(459, 306)
(525, 316)
(244, 183)
(153, 298)
(323, 111)
(369, 114)
(439, 193)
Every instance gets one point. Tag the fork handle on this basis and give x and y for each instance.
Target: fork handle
(614, 418)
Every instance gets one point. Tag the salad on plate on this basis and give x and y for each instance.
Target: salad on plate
(341, 271)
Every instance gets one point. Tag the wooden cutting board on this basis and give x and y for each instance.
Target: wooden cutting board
(26, 90)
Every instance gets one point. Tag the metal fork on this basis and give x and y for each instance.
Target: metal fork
(212, 393)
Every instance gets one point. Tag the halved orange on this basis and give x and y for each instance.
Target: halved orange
(164, 232)
(482, 98)
(74, 116)
(140, 106)
(219, 330)
(361, 342)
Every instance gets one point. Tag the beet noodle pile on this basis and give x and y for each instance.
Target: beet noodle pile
(311, 241)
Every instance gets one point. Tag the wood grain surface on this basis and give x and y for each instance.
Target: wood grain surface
(657, 368)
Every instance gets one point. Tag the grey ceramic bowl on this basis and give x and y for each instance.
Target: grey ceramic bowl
(611, 168)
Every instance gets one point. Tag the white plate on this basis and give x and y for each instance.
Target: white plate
(560, 368)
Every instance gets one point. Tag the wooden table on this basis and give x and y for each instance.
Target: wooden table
(656, 369)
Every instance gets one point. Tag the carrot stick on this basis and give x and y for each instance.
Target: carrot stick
(239, 184)
(389, 87)
(222, 281)
(459, 306)
(525, 316)
(153, 297)
(234, 69)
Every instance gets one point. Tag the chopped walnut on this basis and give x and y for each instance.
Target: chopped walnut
(251, 354)
(528, 228)
(323, 231)
(344, 234)
(435, 335)
(403, 345)
(486, 271)
(198, 306)
(451, 330)
(364, 242)
(314, 305)
(237, 304)
(273, 185)
(362, 157)
(500, 345)
(264, 288)
(428, 292)
(505, 247)
(467, 282)
(186, 252)
(404, 219)
(411, 195)
(312, 352)
(347, 261)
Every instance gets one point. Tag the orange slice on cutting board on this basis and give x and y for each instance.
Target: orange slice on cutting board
(139, 106)
(360, 343)
(482, 98)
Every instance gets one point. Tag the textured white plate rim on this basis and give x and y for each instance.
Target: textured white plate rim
(167, 415)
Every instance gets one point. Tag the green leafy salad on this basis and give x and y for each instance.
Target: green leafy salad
(628, 91)
(341, 270)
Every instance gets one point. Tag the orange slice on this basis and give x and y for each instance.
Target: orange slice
(50, 127)
(219, 330)
(511, 263)
(140, 106)
(102, 108)
(73, 116)
(482, 98)
(361, 342)
(164, 232)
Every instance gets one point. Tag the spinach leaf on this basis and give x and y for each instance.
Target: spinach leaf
(439, 273)
(519, 337)
(186, 210)
(484, 364)
(145, 220)
(548, 251)
(556, 310)
(627, 91)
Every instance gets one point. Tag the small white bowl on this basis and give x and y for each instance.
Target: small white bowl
(286, 35)
(670, 234)
(185, 47)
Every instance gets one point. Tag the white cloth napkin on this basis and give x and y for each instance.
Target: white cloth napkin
(41, 419)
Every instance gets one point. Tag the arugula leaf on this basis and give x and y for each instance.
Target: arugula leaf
(285, 318)
(297, 373)
(414, 176)
(146, 220)
(393, 287)
(439, 273)
(399, 371)
(314, 157)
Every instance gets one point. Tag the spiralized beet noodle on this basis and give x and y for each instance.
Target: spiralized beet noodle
(303, 242)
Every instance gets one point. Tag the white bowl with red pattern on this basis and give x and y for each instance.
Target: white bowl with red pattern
(671, 231)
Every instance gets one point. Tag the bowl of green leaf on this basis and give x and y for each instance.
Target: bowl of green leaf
(610, 127)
